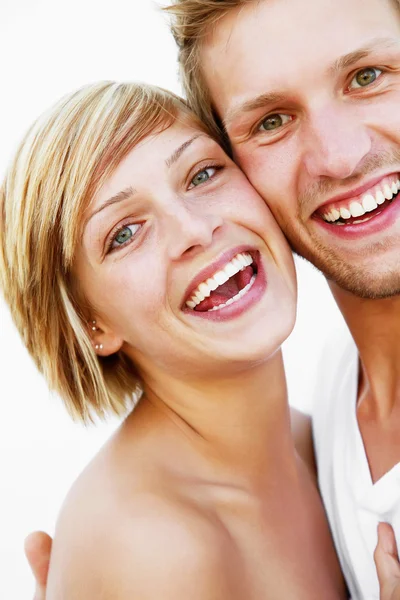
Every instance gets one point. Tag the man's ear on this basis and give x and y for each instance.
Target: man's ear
(105, 342)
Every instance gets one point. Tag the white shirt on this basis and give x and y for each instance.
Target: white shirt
(354, 504)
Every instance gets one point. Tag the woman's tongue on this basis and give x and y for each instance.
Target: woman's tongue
(227, 290)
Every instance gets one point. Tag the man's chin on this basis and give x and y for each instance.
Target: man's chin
(360, 281)
(367, 288)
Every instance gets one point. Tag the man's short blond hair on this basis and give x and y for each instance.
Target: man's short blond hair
(61, 163)
(192, 21)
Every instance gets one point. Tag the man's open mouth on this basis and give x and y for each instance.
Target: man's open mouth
(226, 286)
(365, 207)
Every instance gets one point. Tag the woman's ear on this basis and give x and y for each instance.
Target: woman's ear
(105, 342)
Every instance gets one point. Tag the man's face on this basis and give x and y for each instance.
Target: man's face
(309, 92)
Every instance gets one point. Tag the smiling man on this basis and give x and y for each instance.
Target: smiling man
(307, 94)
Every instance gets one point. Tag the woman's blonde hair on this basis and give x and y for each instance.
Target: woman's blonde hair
(192, 21)
(61, 163)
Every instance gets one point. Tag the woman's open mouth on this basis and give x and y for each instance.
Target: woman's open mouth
(227, 286)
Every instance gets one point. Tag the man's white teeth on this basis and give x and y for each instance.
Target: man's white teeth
(387, 192)
(238, 263)
(380, 198)
(356, 209)
(369, 202)
(344, 213)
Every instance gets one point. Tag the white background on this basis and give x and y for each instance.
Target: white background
(48, 48)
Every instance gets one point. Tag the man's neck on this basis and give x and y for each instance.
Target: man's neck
(375, 327)
(240, 423)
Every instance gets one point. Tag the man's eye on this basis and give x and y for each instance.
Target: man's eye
(274, 122)
(364, 78)
(203, 176)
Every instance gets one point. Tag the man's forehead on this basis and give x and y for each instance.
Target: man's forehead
(249, 53)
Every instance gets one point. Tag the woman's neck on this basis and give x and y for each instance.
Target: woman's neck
(240, 423)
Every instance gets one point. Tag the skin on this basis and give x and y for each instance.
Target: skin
(38, 546)
(201, 488)
(387, 563)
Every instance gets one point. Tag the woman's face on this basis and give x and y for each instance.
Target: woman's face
(175, 220)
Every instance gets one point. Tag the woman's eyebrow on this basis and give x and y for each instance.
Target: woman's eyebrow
(129, 192)
(179, 151)
(125, 194)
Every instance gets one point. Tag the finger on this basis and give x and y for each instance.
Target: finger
(386, 557)
(38, 550)
(387, 539)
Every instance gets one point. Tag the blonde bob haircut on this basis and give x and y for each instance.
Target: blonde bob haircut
(63, 160)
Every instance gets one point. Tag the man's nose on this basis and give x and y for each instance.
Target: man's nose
(189, 229)
(336, 143)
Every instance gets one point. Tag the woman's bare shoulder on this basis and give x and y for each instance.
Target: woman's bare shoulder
(124, 534)
(139, 548)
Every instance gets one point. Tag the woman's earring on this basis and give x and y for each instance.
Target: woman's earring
(99, 347)
(94, 328)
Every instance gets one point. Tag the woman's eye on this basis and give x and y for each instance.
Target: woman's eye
(203, 176)
(364, 78)
(124, 235)
(273, 122)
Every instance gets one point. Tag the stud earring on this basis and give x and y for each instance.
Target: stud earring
(94, 328)
(99, 347)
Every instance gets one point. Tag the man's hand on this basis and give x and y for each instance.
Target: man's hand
(38, 550)
(387, 563)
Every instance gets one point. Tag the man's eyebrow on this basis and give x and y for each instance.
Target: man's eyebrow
(348, 60)
(250, 105)
(275, 97)
(180, 150)
(122, 195)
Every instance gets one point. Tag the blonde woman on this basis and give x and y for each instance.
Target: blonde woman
(146, 276)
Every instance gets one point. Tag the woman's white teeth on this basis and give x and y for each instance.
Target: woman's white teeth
(238, 263)
(221, 277)
(239, 295)
(369, 202)
(212, 284)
